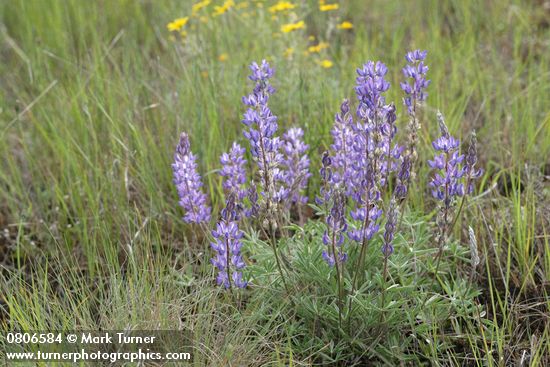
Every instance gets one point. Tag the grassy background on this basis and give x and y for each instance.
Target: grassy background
(94, 94)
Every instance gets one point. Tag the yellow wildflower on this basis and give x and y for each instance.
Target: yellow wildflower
(286, 28)
(281, 6)
(223, 57)
(325, 63)
(317, 48)
(288, 52)
(204, 74)
(311, 38)
(183, 34)
(177, 24)
(328, 7)
(345, 25)
(200, 5)
(322, 2)
(219, 10)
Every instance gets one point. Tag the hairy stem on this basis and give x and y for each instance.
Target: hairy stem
(384, 276)
(338, 278)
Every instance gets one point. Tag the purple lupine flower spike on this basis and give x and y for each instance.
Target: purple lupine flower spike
(296, 163)
(415, 93)
(446, 184)
(227, 245)
(326, 180)
(234, 172)
(416, 84)
(262, 126)
(188, 183)
(252, 195)
(403, 177)
(452, 178)
(261, 73)
(373, 134)
(336, 228)
(371, 83)
(342, 146)
(390, 152)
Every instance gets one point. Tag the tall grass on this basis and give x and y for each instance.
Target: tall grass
(94, 94)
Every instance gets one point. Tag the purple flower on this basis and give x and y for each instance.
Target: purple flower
(227, 245)
(371, 83)
(262, 126)
(446, 143)
(389, 152)
(452, 177)
(188, 183)
(326, 180)
(343, 139)
(375, 130)
(374, 152)
(403, 177)
(261, 73)
(233, 170)
(415, 93)
(369, 226)
(252, 195)
(334, 234)
(446, 183)
(470, 170)
(414, 88)
(296, 163)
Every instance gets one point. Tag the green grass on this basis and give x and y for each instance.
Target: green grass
(94, 94)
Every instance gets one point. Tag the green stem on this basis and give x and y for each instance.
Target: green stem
(364, 245)
(338, 278)
(275, 252)
(385, 274)
(227, 268)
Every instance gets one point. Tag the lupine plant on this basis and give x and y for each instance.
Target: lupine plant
(452, 179)
(188, 183)
(227, 245)
(296, 164)
(415, 94)
(365, 177)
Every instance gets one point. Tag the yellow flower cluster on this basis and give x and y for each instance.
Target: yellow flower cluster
(177, 24)
(328, 7)
(325, 63)
(317, 48)
(281, 6)
(200, 13)
(290, 27)
(219, 10)
(200, 5)
(345, 25)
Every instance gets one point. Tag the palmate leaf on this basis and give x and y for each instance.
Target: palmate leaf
(395, 330)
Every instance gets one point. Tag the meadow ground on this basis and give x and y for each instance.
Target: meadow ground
(94, 94)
